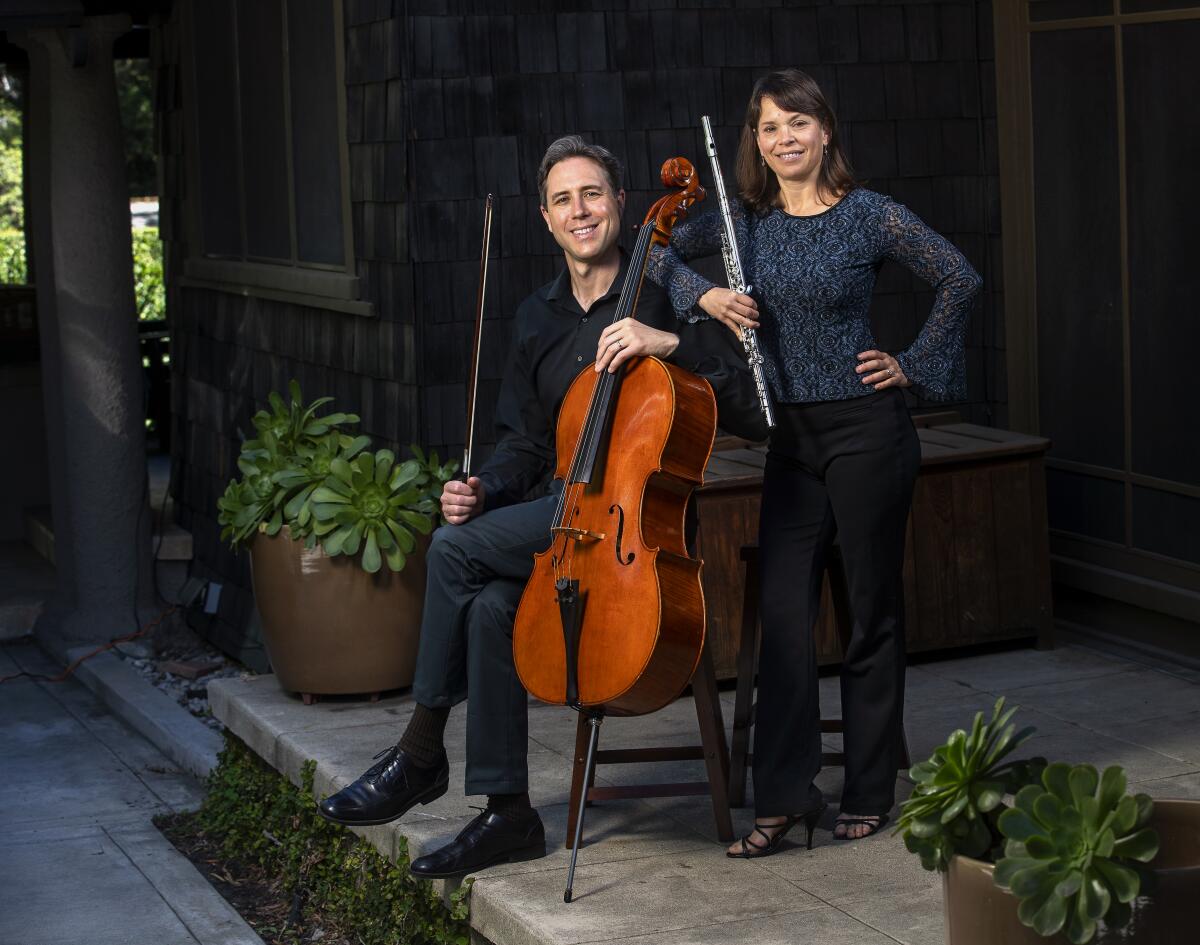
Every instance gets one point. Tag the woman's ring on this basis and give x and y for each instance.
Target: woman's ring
(890, 372)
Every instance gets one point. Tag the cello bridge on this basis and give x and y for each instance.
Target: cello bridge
(577, 534)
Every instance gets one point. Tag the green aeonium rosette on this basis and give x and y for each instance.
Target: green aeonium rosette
(378, 505)
(1074, 845)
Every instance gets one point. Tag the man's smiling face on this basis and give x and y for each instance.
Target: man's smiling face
(582, 211)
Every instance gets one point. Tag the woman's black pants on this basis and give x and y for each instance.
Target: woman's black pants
(841, 469)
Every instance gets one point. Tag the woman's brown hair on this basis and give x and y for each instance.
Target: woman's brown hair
(793, 91)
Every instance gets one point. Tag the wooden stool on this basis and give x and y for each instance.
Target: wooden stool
(740, 756)
(711, 749)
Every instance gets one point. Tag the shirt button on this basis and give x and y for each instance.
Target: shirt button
(579, 357)
(584, 319)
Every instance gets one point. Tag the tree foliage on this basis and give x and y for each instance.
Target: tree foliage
(12, 199)
(135, 99)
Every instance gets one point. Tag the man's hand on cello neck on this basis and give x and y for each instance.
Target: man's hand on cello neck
(630, 338)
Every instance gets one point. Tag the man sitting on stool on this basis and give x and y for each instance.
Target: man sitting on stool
(478, 564)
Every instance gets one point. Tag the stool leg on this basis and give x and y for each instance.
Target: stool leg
(712, 737)
(580, 776)
(743, 704)
(905, 758)
(594, 719)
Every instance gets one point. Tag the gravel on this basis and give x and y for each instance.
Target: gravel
(192, 694)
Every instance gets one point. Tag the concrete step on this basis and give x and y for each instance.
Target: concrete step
(649, 871)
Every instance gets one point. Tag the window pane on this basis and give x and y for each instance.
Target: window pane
(264, 153)
(1166, 524)
(1162, 147)
(315, 132)
(1080, 362)
(216, 128)
(1086, 505)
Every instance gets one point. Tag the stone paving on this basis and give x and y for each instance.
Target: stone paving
(80, 860)
(653, 870)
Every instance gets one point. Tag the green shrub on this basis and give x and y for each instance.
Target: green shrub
(13, 270)
(260, 817)
(148, 291)
(149, 295)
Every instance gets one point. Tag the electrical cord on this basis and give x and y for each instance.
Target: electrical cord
(66, 673)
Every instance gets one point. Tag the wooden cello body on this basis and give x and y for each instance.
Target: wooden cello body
(613, 615)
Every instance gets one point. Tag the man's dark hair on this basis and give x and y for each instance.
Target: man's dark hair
(574, 146)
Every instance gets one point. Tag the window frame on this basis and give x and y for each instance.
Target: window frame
(319, 285)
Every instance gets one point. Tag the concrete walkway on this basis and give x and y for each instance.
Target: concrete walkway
(80, 860)
(653, 872)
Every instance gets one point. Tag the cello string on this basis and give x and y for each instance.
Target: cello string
(600, 404)
(601, 392)
(596, 415)
(601, 389)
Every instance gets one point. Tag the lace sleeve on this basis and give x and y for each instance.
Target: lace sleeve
(936, 361)
(667, 266)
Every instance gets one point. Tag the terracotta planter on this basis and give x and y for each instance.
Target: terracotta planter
(331, 628)
(979, 913)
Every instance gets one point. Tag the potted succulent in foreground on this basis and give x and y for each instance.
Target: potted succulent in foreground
(1033, 852)
(336, 536)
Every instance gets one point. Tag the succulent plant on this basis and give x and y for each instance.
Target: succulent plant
(288, 427)
(960, 789)
(314, 463)
(377, 504)
(251, 501)
(299, 462)
(1073, 846)
(291, 452)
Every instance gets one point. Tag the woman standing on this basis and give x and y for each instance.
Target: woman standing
(844, 455)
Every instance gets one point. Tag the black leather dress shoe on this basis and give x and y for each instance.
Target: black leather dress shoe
(489, 839)
(386, 790)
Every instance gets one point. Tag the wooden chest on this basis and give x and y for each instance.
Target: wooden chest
(977, 563)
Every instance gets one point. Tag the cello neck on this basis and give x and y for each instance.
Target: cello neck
(596, 421)
(656, 228)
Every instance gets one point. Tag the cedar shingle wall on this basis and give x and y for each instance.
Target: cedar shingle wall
(448, 100)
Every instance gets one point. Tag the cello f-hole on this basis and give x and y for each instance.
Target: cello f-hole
(616, 509)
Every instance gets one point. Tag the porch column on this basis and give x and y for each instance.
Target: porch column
(79, 214)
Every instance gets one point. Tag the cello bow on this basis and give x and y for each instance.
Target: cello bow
(473, 376)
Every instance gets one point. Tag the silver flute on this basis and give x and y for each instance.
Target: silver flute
(736, 276)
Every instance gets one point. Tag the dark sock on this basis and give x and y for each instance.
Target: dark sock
(509, 803)
(422, 740)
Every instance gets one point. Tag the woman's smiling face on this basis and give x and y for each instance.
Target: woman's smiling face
(792, 143)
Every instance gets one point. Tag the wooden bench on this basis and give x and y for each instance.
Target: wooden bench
(977, 561)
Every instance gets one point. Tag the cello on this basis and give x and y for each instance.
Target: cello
(612, 618)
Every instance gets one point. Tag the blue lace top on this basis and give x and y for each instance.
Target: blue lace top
(812, 278)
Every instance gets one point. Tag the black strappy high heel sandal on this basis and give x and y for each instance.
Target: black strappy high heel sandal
(751, 850)
(873, 825)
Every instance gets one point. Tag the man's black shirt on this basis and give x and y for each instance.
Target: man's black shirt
(553, 340)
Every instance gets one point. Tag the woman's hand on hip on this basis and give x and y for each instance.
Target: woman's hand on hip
(629, 338)
(732, 309)
(880, 370)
